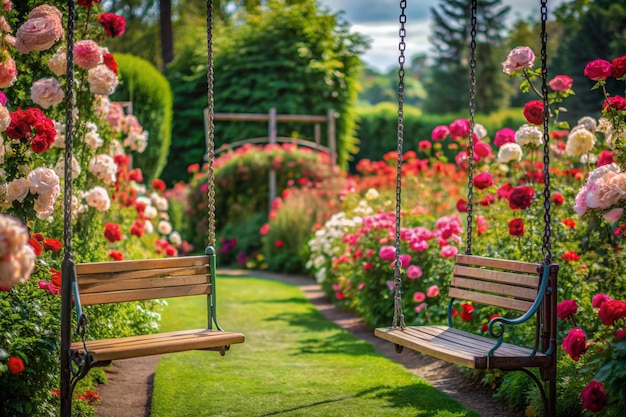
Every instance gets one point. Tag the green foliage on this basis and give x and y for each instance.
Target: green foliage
(149, 91)
(240, 241)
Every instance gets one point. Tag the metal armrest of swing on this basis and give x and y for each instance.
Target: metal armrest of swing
(496, 325)
(212, 300)
(81, 318)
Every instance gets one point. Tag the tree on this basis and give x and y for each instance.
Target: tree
(594, 29)
(448, 87)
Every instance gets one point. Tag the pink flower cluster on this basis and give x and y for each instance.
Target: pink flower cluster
(17, 257)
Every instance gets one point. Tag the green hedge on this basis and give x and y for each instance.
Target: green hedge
(151, 95)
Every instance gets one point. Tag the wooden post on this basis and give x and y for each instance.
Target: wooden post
(318, 133)
(272, 134)
(331, 137)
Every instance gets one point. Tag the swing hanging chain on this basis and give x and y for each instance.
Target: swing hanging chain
(547, 245)
(472, 111)
(398, 316)
(211, 125)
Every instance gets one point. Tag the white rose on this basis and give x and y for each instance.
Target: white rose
(150, 212)
(161, 203)
(510, 152)
(93, 140)
(148, 227)
(98, 198)
(529, 135)
(44, 181)
(5, 118)
(102, 80)
(175, 238)
(104, 167)
(165, 228)
(18, 189)
(579, 141)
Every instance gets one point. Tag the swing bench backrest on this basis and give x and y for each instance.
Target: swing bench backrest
(124, 281)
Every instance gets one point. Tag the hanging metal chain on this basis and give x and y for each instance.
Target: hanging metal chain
(398, 316)
(547, 245)
(472, 111)
(210, 125)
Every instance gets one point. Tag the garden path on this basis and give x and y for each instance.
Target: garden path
(128, 392)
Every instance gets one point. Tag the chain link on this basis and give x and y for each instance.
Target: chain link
(547, 245)
(210, 126)
(398, 315)
(472, 111)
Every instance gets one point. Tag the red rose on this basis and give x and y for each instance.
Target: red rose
(618, 67)
(16, 365)
(533, 112)
(113, 24)
(466, 312)
(32, 125)
(461, 205)
(505, 191)
(569, 223)
(615, 103)
(598, 69)
(610, 311)
(87, 3)
(487, 200)
(37, 236)
(575, 343)
(516, 227)
(137, 228)
(482, 149)
(52, 245)
(521, 197)
(561, 83)
(570, 256)
(600, 299)
(158, 185)
(113, 232)
(558, 199)
(36, 246)
(566, 308)
(593, 396)
(483, 180)
(109, 61)
(56, 277)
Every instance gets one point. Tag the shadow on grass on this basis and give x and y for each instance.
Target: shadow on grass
(415, 396)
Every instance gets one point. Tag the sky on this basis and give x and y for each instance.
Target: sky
(379, 20)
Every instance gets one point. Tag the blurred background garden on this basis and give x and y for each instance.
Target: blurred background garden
(332, 217)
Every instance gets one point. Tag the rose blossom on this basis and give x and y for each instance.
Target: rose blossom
(47, 92)
(575, 343)
(98, 198)
(506, 135)
(58, 62)
(387, 253)
(529, 135)
(510, 152)
(614, 102)
(44, 182)
(414, 272)
(519, 58)
(593, 397)
(17, 190)
(483, 180)
(613, 215)
(104, 167)
(59, 168)
(482, 149)
(8, 72)
(618, 67)
(432, 291)
(164, 227)
(533, 112)
(113, 24)
(102, 80)
(611, 311)
(516, 228)
(87, 54)
(439, 133)
(566, 308)
(42, 30)
(601, 193)
(419, 296)
(112, 232)
(561, 83)
(459, 128)
(600, 299)
(448, 251)
(598, 69)
(579, 141)
(521, 197)
(17, 258)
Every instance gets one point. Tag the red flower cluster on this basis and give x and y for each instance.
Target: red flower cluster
(158, 185)
(113, 24)
(113, 232)
(466, 311)
(16, 365)
(570, 256)
(116, 255)
(516, 228)
(33, 127)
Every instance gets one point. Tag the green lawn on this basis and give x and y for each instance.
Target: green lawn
(294, 363)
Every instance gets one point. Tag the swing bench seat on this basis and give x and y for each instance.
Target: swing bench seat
(124, 281)
(522, 287)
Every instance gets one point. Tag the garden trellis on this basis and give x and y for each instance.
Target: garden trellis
(527, 289)
(113, 282)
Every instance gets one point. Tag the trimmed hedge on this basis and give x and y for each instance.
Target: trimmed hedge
(151, 95)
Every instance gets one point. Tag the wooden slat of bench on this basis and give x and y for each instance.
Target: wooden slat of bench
(144, 283)
(461, 348)
(158, 344)
(143, 264)
(514, 278)
(522, 293)
(85, 279)
(144, 294)
(488, 299)
(525, 267)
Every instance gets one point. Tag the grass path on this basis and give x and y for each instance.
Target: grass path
(294, 363)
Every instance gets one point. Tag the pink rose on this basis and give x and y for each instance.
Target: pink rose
(419, 296)
(605, 158)
(87, 54)
(506, 135)
(580, 205)
(598, 69)
(47, 92)
(566, 308)
(482, 149)
(561, 83)
(600, 299)
(483, 180)
(449, 251)
(519, 58)
(102, 80)
(613, 215)
(439, 133)
(432, 291)
(575, 343)
(614, 102)
(414, 272)
(481, 225)
(42, 30)
(387, 253)
(8, 72)
(459, 128)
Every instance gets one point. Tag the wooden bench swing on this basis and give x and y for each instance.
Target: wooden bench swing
(528, 290)
(124, 281)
